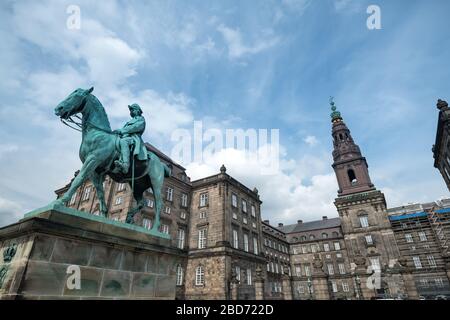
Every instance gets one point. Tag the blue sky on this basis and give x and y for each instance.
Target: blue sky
(230, 64)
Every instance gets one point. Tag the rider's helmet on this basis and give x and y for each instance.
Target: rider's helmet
(136, 107)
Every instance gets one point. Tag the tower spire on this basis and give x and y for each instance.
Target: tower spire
(335, 115)
(348, 162)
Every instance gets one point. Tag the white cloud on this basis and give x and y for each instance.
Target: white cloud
(311, 140)
(10, 212)
(285, 197)
(236, 46)
(298, 6)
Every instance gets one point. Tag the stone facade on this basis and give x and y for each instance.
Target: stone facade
(441, 148)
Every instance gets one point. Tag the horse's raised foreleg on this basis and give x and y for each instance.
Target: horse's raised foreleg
(86, 170)
(97, 180)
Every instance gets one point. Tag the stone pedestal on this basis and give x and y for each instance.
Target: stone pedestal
(259, 289)
(287, 288)
(410, 285)
(52, 249)
(320, 284)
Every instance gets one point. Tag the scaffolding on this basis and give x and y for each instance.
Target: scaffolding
(422, 238)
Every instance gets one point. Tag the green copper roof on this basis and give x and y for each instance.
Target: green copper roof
(335, 115)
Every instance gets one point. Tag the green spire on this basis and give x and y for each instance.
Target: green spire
(335, 115)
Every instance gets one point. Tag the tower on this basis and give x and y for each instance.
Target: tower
(362, 209)
(348, 163)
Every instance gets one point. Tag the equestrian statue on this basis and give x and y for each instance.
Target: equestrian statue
(121, 153)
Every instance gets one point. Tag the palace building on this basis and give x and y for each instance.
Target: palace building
(366, 251)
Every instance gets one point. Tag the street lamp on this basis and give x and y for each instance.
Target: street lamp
(309, 282)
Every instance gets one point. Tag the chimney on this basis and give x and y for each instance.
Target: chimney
(280, 225)
(299, 221)
(324, 218)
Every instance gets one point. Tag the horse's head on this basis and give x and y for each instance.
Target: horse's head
(73, 104)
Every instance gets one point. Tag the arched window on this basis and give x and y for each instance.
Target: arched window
(312, 237)
(341, 137)
(179, 275)
(352, 176)
(199, 276)
(335, 234)
(324, 235)
(303, 238)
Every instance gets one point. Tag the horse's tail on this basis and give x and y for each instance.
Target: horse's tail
(167, 171)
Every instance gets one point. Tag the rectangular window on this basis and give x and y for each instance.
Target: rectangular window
(180, 237)
(276, 267)
(245, 242)
(203, 200)
(438, 282)
(313, 248)
(253, 211)
(118, 201)
(326, 247)
(341, 267)
(183, 215)
(337, 246)
(244, 220)
(255, 245)
(169, 194)
(375, 262)
(86, 194)
(184, 200)
(202, 215)
(234, 200)
(238, 273)
(417, 262)
(167, 210)
(179, 275)
(249, 276)
(199, 276)
(301, 289)
(147, 223)
(345, 287)
(338, 255)
(369, 239)
(165, 228)
(244, 206)
(149, 203)
(330, 268)
(202, 238)
(422, 236)
(298, 271)
(234, 215)
(304, 249)
(334, 286)
(307, 270)
(121, 187)
(364, 221)
(72, 200)
(235, 239)
(424, 283)
(409, 238)
(431, 261)
(254, 224)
